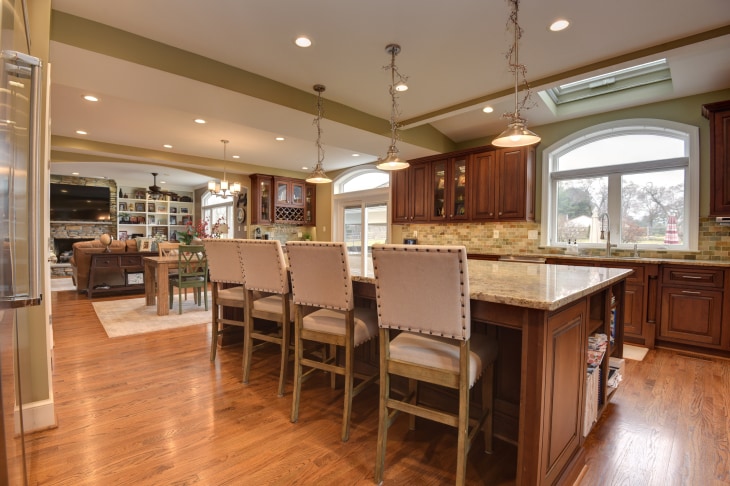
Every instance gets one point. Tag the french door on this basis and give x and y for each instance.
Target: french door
(360, 223)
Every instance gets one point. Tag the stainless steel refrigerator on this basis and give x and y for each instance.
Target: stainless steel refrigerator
(20, 225)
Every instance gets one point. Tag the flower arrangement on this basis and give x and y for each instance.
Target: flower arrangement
(200, 230)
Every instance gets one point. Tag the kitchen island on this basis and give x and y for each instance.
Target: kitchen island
(542, 316)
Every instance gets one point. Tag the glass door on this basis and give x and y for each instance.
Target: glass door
(364, 225)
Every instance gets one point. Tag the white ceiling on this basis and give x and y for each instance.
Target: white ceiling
(452, 52)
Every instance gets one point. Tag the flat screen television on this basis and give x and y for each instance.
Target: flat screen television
(79, 203)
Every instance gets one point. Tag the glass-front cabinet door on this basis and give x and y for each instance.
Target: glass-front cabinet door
(439, 203)
(459, 203)
(449, 194)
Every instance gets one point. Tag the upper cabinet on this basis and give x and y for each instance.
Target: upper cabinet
(719, 116)
(484, 184)
(281, 200)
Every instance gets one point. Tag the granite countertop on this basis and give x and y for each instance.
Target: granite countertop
(533, 285)
(623, 259)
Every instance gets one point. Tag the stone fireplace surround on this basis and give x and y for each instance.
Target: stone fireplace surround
(65, 233)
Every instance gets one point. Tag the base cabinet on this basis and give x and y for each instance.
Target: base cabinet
(692, 306)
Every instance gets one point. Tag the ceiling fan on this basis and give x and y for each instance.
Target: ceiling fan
(156, 192)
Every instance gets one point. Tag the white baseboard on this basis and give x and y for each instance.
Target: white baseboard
(37, 416)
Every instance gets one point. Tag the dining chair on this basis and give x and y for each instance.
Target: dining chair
(422, 295)
(169, 249)
(267, 298)
(192, 272)
(325, 313)
(227, 290)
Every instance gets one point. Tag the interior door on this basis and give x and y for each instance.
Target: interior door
(365, 224)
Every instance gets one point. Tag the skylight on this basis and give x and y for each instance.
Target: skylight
(628, 78)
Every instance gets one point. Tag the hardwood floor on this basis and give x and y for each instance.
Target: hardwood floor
(151, 409)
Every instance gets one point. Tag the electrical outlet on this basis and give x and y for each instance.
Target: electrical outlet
(532, 234)
(495, 234)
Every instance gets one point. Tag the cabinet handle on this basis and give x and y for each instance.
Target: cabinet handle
(692, 277)
(692, 292)
(500, 213)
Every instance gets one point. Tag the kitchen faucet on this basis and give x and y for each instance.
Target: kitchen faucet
(606, 232)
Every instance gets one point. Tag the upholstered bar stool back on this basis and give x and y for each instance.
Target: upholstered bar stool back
(267, 298)
(423, 295)
(226, 278)
(325, 313)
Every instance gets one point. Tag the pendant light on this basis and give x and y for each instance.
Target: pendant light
(516, 134)
(222, 188)
(391, 161)
(318, 176)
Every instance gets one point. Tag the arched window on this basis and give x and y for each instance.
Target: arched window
(216, 208)
(638, 179)
(360, 213)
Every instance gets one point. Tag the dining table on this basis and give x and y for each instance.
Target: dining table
(157, 281)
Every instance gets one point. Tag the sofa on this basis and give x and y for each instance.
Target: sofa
(81, 258)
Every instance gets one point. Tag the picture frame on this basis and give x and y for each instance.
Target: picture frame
(139, 195)
(133, 220)
(173, 219)
(186, 220)
(122, 206)
(173, 210)
(136, 278)
(184, 210)
(161, 209)
(122, 236)
(139, 207)
(150, 207)
(145, 244)
(151, 219)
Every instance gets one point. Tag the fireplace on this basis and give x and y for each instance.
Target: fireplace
(62, 247)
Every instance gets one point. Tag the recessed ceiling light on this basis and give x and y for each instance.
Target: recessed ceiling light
(91, 98)
(304, 167)
(167, 146)
(81, 132)
(356, 155)
(74, 173)
(558, 25)
(487, 109)
(236, 156)
(163, 182)
(199, 121)
(303, 41)
(279, 139)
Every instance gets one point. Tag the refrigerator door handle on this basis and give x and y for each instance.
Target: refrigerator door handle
(26, 66)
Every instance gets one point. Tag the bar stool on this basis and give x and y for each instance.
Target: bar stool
(423, 295)
(325, 313)
(224, 269)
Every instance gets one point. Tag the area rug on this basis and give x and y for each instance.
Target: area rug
(125, 317)
(62, 284)
(636, 353)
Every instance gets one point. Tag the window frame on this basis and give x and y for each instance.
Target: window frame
(644, 126)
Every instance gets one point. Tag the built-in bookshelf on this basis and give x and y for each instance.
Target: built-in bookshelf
(138, 214)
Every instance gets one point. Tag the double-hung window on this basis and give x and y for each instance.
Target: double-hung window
(638, 179)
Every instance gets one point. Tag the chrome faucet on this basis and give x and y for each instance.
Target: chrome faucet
(606, 232)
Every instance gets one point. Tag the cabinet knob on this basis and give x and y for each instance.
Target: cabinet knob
(491, 214)
(500, 213)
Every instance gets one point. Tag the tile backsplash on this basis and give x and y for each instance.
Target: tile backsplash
(511, 238)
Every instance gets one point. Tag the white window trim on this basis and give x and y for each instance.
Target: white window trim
(635, 125)
(340, 200)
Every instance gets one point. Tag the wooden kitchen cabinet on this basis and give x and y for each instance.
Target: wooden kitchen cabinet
(482, 184)
(289, 192)
(281, 200)
(410, 191)
(719, 116)
(261, 199)
(692, 301)
(504, 185)
(449, 196)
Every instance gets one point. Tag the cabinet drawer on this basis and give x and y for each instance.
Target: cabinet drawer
(693, 276)
(105, 262)
(130, 261)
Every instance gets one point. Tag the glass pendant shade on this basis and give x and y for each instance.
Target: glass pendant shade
(516, 135)
(391, 161)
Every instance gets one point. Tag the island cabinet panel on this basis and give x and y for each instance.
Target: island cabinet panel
(565, 366)
(692, 306)
(410, 194)
(719, 116)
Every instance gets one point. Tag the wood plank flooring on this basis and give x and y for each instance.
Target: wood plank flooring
(152, 409)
